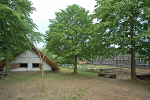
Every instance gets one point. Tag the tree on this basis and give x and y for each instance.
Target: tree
(68, 33)
(16, 28)
(144, 47)
(121, 22)
(55, 58)
(100, 45)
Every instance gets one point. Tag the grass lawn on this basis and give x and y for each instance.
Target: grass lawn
(96, 68)
(93, 66)
(64, 85)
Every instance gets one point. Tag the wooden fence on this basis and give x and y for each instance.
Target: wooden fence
(121, 61)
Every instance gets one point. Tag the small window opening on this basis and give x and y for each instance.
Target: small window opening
(35, 65)
(23, 65)
(53, 69)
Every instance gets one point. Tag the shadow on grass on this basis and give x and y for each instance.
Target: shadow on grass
(67, 74)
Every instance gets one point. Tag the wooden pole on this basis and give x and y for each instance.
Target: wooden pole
(42, 73)
(42, 59)
(115, 61)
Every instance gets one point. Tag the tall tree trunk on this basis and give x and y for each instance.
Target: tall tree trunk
(7, 67)
(92, 61)
(133, 64)
(75, 67)
(132, 34)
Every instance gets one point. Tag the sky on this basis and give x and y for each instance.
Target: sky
(45, 9)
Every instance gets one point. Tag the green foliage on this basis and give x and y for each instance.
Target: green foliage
(69, 33)
(93, 66)
(16, 27)
(144, 49)
(57, 59)
(100, 45)
(124, 23)
(116, 19)
(67, 61)
(49, 54)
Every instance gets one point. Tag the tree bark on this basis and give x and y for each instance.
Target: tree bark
(7, 67)
(75, 67)
(133, 65)
(132, 34)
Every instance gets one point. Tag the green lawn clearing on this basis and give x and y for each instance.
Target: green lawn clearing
(93, 66)
(64, 85)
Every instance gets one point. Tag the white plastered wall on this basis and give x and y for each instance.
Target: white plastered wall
(29, 58)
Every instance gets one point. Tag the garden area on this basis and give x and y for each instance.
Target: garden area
(64, 85)
(115, 33)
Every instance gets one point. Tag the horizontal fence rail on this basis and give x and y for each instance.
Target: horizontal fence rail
(123, 61)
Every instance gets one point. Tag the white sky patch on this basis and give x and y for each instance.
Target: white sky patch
(45, 9)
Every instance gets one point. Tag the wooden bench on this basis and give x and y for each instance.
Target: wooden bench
(3, 74)
(107, 75)
(143, 76)
(106, 69)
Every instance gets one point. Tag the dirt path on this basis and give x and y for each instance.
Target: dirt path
(65, 86)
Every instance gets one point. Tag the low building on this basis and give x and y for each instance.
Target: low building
(30, 61)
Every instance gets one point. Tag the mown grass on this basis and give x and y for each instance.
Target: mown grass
(93, 66)
(17, 77)
(63, 74)
(75, 94)
(69, 86)
(67, 74)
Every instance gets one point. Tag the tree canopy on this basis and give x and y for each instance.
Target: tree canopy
(68, 33)
(124, 23)
(57, 59)
(17, 30)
